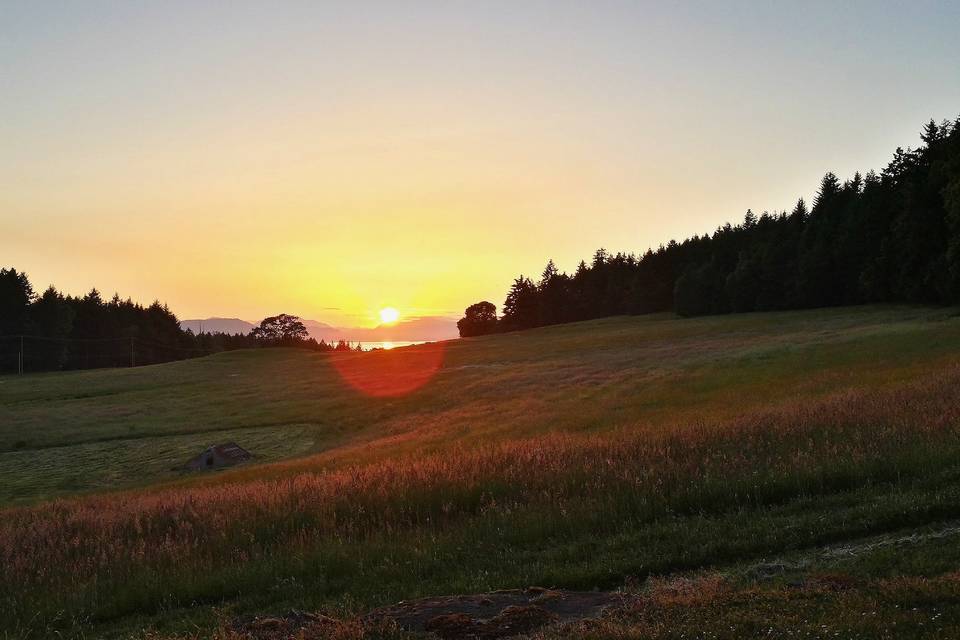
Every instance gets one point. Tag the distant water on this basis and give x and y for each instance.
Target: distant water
(367, 346)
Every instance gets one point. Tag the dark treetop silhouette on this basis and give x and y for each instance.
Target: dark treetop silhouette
(480, 318)
(887, 237)
(280, 328)
(53, 331)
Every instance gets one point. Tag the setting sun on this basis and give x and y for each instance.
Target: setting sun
(389, 315)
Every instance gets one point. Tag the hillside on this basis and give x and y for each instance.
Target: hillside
(83, 430)
(584, 455)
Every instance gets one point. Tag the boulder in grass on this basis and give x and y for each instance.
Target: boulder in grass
(218, 456)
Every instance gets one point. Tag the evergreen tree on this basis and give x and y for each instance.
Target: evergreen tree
(520, 309)
(893, 236)
(16, 294)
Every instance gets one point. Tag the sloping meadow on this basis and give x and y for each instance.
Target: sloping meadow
(454, 520)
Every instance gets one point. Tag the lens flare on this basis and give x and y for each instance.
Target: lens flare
(389, 373)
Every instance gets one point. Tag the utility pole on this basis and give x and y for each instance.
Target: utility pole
(20, 360)
(133, 354)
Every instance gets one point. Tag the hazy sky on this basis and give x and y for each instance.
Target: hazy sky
(328, 159)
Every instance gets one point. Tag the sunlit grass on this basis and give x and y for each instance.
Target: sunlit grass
(630, 447)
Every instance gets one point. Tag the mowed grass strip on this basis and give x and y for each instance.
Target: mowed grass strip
(32, 475)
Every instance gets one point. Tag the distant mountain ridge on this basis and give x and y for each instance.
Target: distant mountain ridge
(427, 328)
(217, 325)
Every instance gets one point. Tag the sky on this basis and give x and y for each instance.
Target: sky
(329, 159)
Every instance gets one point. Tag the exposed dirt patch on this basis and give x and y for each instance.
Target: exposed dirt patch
(484, 616)
(499, 614)
(292, 624)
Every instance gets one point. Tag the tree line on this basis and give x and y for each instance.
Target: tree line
(52, 331)
(892, 236)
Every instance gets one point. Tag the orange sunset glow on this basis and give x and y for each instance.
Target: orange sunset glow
(230, 170)
(489, 319)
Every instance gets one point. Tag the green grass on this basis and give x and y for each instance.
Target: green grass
(29, 475)
(709, 444)
(584, 376)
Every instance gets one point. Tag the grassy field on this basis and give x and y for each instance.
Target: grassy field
(591, 455)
